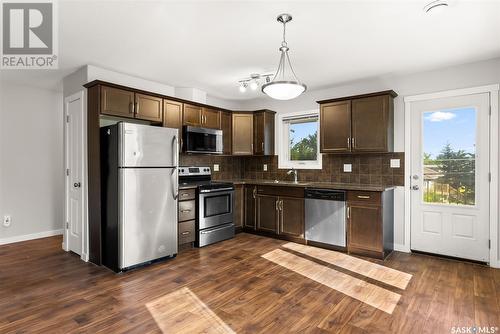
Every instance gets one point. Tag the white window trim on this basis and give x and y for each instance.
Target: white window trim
(283, 148)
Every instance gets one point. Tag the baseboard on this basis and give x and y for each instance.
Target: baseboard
(401, 248)
(85, 257)
(25, 237)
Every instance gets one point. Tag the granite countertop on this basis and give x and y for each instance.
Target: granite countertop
(324, 185)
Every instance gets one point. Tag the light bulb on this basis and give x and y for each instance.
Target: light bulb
(254, 85)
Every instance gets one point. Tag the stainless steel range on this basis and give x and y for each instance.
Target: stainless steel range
(214, 205)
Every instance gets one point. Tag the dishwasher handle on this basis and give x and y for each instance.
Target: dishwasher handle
(326, 194)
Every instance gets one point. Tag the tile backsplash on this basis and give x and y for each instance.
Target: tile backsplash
(373, 168)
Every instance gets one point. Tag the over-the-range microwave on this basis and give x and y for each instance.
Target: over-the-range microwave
(202, 140)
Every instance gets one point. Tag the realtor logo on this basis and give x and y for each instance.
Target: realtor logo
(28, 35)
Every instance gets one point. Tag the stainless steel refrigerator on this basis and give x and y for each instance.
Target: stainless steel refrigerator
(139, 179)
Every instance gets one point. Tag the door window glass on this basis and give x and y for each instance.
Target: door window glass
(449, 156)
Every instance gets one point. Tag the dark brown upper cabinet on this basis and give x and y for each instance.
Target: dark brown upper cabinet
(263, 132)
(242, 134)
(117, 102)
(335, 127)
(191, 115)
(210, 118)
(226, 127)
(148, 107)
(361, 123)
(172, 114)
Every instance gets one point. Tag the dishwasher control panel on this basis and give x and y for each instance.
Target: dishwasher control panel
(327, 194)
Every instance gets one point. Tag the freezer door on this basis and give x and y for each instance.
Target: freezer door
(148, 214)
(148, 146)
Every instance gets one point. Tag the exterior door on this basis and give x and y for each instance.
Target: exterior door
(450, 176)
(74, 170)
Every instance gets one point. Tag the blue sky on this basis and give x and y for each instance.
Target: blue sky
(302, 130)
(456, 126)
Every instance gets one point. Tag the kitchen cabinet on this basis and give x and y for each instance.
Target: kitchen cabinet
(267, 213)
(148, 107)
(263, 129)
(335, 127)
(172, 114)
(191, 115)
(226, 125)
(239, 206)
(361, 123)
(370, 221)
(186, 216)
(250, 198)
(242, 134)
(291, 222)
(117, 102)
(210, 118)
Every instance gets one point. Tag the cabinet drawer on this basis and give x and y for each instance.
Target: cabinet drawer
(281, 191)
(372, 197)
(187, 194)
(187, 210)
(186, 232)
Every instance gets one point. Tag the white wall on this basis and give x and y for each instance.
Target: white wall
(31, 161)
(463, 76)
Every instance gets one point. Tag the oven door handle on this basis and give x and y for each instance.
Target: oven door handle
(216, 229)
(207, 191)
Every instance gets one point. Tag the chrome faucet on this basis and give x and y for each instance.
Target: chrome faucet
(294, 171)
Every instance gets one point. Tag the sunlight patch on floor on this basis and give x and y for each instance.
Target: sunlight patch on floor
(396, 278)
(183, 312)
(380, 298)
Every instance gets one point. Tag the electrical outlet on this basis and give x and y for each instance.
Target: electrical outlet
(216, 167)
(347, 168)
(7, 220)
(265, 167)
(395, 163)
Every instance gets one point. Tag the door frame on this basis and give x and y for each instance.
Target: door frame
(79, 95)
(493, 91)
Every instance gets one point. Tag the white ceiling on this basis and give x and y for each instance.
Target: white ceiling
(211, 45)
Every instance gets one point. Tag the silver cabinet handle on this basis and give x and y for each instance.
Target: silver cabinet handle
(185, 211)
(348, 142)
(276, 205)
(363, 197)
(262, 146)
(348, 212)
(131, 108)
(184, 194)
(254, 192)
(137, 107)
(281, 205)
(185, 233)
(353, 142)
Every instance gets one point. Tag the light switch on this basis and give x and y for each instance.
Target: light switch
(265, 167)
(216, 167)
(395, 163)
(347, 168)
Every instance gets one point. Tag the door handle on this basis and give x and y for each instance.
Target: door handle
(415, 187)
(185, 233)
(77, 185)
(185, 211)
(348, 212)
(276, 205)
(281, 205)
(254, 193)
(348, 142)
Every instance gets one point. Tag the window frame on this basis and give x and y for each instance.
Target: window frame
(282, 143)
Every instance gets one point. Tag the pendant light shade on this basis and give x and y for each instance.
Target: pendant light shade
(285, 85)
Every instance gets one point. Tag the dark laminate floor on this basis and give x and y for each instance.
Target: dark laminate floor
(230, 287)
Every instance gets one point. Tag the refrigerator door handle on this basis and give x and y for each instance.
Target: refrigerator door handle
(176, 151)
(175, 185)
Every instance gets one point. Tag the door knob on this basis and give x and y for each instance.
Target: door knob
(415, 187)
(77, 184)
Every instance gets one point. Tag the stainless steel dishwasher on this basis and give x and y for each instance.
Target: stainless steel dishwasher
(326, 216)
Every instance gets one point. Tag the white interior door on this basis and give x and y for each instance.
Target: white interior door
(74, 163)
(450, 176)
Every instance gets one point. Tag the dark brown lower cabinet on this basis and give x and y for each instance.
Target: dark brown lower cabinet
(239, 205)
(291, 221)
(250, 198)
(267, 213)
(370, 223)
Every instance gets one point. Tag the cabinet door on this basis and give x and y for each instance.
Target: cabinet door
(239, 204)
(267, 213)
(335, 127)
(269, 133)
(210, 118)
(370, 124)
(226, 126)
(258, 133)
(242, 134)
(172, 114)
(148, 107)
(365, 227)
(291, 220)
(191, 115)
(250, 198)
(117, 102)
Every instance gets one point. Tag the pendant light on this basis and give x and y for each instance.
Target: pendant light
(285, 85)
